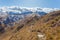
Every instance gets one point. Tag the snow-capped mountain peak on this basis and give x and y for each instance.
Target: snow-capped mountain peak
(15, 13)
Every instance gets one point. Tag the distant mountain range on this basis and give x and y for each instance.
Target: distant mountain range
(13, 14)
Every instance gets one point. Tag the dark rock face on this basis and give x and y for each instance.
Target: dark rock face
(0, 23)
(2, 30)
(19, 27)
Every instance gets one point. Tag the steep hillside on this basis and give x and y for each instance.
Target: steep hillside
(46, 28)
(7, 31)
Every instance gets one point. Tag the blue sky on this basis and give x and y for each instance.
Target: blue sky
(31, 3)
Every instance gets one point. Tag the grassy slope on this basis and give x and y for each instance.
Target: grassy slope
(48, 25)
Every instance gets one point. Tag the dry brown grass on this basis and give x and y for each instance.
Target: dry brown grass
(49, 25)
